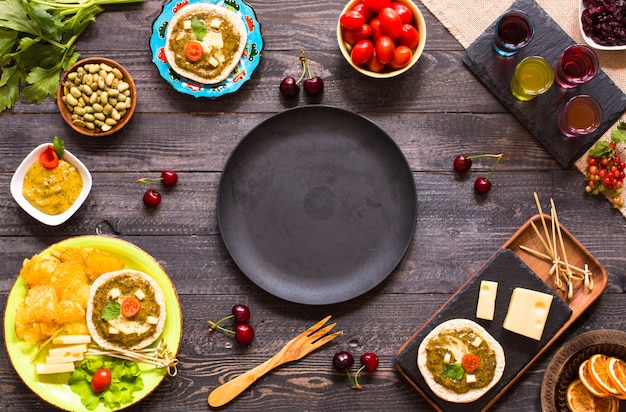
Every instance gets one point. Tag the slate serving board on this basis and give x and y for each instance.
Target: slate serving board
(510, 272)
(539, 115)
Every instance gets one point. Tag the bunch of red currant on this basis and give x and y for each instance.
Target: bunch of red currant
(605, 168)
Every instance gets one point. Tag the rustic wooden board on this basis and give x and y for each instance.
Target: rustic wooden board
(540, 114)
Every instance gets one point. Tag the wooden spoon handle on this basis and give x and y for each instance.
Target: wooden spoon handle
(229, 390)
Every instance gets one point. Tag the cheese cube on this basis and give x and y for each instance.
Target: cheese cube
(470, 378)
(477, 341)
(139, 294)
(486, 306)
(528, 312)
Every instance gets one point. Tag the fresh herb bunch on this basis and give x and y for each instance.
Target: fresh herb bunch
(606, 169)
(38, 42)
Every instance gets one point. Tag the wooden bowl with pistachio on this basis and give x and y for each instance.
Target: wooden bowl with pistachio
(96, 96)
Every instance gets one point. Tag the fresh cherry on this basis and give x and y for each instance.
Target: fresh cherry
(151, 198)
(314, 86)
(369, 362)
(244, 334)
(241, 313)
(169, 177)
(343, 360)
(462, 163)
(289, 87)
(482, 185)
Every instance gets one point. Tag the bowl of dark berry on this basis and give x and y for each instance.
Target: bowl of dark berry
(603, 23)
(381, 38)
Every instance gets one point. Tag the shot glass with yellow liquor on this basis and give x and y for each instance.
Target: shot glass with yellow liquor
(533, 76)
(580, 116)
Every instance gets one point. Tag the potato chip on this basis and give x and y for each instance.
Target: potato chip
(39, 304)
(76, 292)
(68, 311)
(98, 262)
(73, 254)
(65, 274)
(76, 328)
(38, 269)
(33, 334)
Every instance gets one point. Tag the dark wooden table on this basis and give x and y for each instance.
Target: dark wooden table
(434, 112)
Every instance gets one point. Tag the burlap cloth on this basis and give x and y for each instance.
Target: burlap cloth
(467, 20)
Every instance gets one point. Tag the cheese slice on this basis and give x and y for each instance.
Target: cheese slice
(54, 360)
(67, 350)
(528, 312)
(45, 369)
(71, 339)
(486, 306)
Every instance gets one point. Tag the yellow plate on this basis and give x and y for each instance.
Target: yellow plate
(54, 388)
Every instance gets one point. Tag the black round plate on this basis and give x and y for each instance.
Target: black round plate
(317, 205)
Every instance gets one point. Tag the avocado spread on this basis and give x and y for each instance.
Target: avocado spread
(219, 38)
(449, 342)
(120, 331)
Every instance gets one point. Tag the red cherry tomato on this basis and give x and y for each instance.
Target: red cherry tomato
(362, 52)
(384, 49)
(390, 22)
(367, 13)
(376, 5)
(351, 20)
(410, 37)
(101, 380)
(470, 362)
(130, 307)
(377, 30)
(374, 65)
(405, 13)
(352, 37)
(401, 57)
(49, 158)
(194, 51)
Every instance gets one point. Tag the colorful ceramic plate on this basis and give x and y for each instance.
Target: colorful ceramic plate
(54, 388)
(243, 72)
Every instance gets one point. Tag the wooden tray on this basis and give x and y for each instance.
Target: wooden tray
(510, 267)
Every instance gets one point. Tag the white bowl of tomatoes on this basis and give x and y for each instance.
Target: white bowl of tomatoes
(381, 38)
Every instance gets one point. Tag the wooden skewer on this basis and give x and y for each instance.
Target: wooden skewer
(543, 220)
(558, 228)
(541, 239)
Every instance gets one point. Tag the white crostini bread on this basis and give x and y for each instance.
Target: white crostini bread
(158, 295)
(188, 12)
(453, 325)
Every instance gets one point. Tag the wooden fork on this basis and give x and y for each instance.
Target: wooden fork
(295, 349)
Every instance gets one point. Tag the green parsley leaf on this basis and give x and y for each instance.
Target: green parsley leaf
(59, 146)
(111, 311)
(453, 371)
(199, 28)
(600, 149)
(619, 135)
(37, 42)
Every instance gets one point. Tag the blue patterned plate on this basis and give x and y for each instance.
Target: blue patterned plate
(241, 74)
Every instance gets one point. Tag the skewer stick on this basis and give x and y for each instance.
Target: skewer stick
(558, 227)
(541, 239)
(543, 220)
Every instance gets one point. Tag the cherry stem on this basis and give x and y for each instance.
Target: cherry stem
(216, 325)
(349, 377)
(147, 180)
(484, 155)
(356, 378)
(493, 169)
(305, 66)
